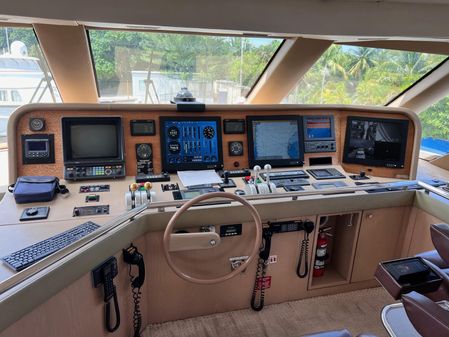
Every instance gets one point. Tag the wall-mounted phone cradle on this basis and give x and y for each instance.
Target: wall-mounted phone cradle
(104, 274)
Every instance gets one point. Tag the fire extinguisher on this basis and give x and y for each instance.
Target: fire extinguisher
(321, 254)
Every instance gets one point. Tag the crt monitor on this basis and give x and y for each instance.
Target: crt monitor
(275, 140)
(92, 139)
(191, 143)
(375, 141)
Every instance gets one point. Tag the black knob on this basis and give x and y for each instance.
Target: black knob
(226, 177)
(362, 174)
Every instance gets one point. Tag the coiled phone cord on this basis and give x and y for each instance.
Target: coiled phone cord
(303, 255)
(262, 265)
(257, 305)
(137, 314)
(108, 313)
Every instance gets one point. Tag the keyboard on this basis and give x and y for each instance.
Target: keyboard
(27, 256)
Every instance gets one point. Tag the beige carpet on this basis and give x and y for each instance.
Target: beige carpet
(358, 311)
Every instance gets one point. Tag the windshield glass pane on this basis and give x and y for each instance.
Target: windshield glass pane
(435, 128)
(359, 75)
(145, 67)
(24, 78)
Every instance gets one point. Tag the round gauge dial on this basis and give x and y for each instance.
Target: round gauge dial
(37, 124)
(235, 148)
(173, 132)
(143, 151)
(209, 132)
(174, 147)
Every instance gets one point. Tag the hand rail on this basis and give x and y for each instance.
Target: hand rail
(431, 189)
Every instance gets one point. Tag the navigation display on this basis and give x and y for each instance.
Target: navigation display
(190, 143)
(275, 140)
(375, 141)
(318, 127)
(92, 139)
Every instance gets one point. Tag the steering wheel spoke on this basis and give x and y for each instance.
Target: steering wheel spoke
(206, 240)
(192, 241)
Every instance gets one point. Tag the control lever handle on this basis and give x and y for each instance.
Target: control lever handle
(256, 170)
(267, 169)
(226, 177)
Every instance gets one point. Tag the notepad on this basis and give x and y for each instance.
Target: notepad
(201, 177)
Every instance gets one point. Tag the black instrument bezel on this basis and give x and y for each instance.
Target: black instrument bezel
(275, 162)
(67, 145)
(142, 121)
(228, 132)
(377, 162)
(168, 167)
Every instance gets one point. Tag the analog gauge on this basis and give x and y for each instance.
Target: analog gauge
(173, 132)
(174, 147)
(235, 148)
(143, 151)
(37, 124)
(209, 132)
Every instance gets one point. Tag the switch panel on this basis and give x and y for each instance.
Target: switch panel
(91, 210)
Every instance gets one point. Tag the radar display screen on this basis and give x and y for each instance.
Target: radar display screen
(275, 140)
(190, 143)
(375, 141)
(318, 128)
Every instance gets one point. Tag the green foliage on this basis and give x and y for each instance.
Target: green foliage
(435, 120)
(370, 76)
(204, 57)
(26, 35)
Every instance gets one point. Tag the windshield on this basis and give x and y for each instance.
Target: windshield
(24, 75)
(145, 67)
(359, 75)
(435, 128)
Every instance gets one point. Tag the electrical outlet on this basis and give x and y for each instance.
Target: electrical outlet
(272, 259)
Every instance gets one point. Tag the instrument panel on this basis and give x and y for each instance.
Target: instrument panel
(219, 138)
(191, 143)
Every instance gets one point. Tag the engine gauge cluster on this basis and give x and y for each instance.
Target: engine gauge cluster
(191, 143)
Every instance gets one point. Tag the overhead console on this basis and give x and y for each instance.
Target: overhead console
(92, 147)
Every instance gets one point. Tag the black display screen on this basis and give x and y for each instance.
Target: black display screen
(375, 141)
(37, 145)
(234, 126)
(92, 139)
(275, 140)
(143, 128)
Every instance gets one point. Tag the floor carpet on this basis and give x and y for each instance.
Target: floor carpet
(358, 311)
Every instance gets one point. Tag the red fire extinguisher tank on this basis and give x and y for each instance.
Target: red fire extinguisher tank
(321, 254)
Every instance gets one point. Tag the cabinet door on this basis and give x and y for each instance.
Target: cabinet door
(379, 240)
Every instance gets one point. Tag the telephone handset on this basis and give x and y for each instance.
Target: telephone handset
(104, 275)
(304, 252)
(132, 256)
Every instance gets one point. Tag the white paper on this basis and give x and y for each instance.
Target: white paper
(202, 177)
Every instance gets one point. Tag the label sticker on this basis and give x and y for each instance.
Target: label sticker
(266, 282)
